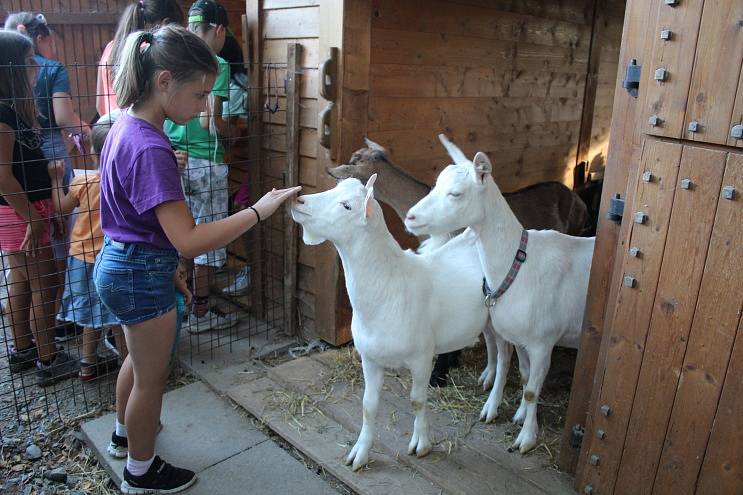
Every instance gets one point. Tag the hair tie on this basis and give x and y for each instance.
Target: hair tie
(141, 4)
(143, 47)
(21, 28)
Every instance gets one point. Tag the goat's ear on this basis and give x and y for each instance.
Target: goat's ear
(483, 167)
(371, 181)
(369, 203)
(374, 146)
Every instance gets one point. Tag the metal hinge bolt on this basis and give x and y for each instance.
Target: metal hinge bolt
(634, 251)
(605, 409)
(655, 121)
(588, 490)
(728, 192)
(600, 434)
(686, 183)
(640, 217)
(660, 74)
(737, 132)
(694, 126)
(629, 281)
(647, 176)
(594, 460)
(672, 3)
(666, 34)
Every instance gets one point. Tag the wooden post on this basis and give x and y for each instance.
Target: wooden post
(291, 178)
(254, 249)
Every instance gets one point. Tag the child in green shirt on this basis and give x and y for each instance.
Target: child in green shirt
(205, 175)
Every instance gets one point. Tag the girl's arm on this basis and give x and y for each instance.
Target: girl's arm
(63, 203)
(10, 188)
(64, 114)
(192, 240)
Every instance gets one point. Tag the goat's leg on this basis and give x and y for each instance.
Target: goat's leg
(505, 351)
(539, 359)
(524, 371)
(488, 374)
(420, 444)
(373, 380)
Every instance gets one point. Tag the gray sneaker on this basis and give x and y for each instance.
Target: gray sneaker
(62, 367)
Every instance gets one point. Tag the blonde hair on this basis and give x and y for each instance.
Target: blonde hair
(171, 48)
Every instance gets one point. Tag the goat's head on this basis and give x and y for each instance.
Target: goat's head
(364, 163)
(337, 214)
(457, 200)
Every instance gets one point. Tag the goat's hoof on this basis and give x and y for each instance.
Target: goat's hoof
(419, 446)
(486, 379)
(358, 457)
(526, 441)
(423, 452)
(520, 415)
(488, 413)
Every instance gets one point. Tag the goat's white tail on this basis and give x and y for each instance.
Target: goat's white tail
(454, 152)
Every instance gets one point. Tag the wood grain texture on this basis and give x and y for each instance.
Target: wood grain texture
(670, 323)
(632, 315)
(717, 67)
(709, 350)
(667, 99)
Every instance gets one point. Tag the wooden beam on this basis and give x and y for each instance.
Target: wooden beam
(291, 178)
(254, 241)
(622, 163)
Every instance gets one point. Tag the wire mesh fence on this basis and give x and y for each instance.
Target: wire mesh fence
(49, 308)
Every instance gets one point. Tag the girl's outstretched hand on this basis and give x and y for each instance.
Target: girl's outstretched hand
(270, 202)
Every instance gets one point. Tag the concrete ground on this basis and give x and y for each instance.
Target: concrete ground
(203, 432)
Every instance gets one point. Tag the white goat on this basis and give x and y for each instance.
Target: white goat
(406, 307)
(544, 305)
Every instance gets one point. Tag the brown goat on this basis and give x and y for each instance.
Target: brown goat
(543, 206)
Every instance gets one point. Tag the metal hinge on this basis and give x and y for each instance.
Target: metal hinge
(616, 209)
(576, 436)
(632, 78)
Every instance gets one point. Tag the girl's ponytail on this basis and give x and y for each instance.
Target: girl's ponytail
(170, 48)
(143, 15)
(131, 77)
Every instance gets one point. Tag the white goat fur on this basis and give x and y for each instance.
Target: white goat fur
(407, 307)
(544, 306)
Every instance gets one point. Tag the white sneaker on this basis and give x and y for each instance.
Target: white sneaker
(240, 284)
(210, 321)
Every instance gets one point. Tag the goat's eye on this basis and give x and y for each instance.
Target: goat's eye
(455, 194)
(346, 205)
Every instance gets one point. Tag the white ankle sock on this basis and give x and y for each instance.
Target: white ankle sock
(120, 429)
(138, 468)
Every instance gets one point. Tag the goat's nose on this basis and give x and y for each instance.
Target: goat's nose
(410, 217)
(300, 200)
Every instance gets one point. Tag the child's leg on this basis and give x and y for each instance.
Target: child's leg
(124, 385)
(19, 301)
(89, 351)
(149, 344)
(118, 334)
(203, 276)
(42, 279)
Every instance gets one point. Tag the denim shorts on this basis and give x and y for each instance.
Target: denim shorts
(134, 281)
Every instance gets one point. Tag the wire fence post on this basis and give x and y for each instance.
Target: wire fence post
(291, 177)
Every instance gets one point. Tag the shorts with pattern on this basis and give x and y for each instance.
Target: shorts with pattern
(207, 195)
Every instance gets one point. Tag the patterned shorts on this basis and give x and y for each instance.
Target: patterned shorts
(207, 195)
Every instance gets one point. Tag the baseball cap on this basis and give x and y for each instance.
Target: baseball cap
(208, 11)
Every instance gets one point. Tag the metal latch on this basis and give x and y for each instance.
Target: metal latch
(616, 209)
(632, 78)
(329, 75)
(576, 436)
(737, 132)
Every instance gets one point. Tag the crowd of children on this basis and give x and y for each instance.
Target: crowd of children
(156, 197)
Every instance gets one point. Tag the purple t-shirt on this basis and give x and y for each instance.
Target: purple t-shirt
(138, 172)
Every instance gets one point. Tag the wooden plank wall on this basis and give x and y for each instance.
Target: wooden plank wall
(284, 21)
(502, 77)
(610, 34)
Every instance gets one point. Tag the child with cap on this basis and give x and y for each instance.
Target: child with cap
(205, 175)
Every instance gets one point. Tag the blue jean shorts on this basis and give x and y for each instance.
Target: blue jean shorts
(134, 281)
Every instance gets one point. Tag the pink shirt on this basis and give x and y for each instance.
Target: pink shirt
(105, 100)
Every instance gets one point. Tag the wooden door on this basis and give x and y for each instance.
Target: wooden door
(664, 409)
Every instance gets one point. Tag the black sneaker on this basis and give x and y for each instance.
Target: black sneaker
(103, 366)
(119, 446)
(160, 478)
(62, 367)
(23, 360)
